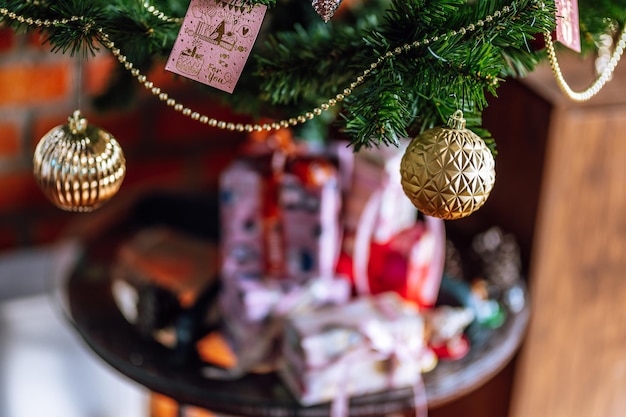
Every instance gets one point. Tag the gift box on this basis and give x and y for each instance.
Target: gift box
(387, 245)
(310, 204)
(254, 311)
(369, 345)
(280, 220)
(280, 216)
(159, 272)
(374, 176)
(251, 237)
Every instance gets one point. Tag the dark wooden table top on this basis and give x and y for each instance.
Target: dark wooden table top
(92, 309)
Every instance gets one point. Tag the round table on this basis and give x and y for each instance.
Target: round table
(91, 308)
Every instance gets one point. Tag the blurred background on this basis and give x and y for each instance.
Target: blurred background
(41, 357)
(45, 368)
(559, 190)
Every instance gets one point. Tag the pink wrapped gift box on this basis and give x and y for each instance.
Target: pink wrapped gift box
(254, 311)
(280, 219)
(310, 204)
(369, 345)
(251, 239)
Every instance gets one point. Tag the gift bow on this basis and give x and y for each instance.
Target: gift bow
(379, 339)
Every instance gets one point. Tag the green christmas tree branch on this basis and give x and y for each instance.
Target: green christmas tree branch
(447, 61)
(456, 70)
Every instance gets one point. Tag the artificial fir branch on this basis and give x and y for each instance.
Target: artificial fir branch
(460, 67)
(299, 61)
(310, 64)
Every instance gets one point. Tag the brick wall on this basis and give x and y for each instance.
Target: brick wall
(39, 90)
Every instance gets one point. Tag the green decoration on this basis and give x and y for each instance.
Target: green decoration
(392, 68)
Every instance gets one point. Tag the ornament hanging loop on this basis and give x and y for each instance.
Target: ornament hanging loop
(77, 123)
(456, 121)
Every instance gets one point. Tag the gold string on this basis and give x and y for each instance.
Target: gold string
(159, 14)
(240, 127)
(597, 85)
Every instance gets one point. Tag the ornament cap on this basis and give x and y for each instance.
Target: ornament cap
(456, 121)
(77, 123)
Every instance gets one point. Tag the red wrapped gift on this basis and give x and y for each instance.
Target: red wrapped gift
(251, 238)
(280, 213)
(385, 246)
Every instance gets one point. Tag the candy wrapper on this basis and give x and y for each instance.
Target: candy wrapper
(369, 345)
(445, 327)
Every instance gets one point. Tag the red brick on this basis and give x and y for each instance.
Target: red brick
(166, 171)
(19, 190)
(167, 80)
(9, 237)
(97, 72)
(27, 84)
(48, 228)
(7, 40)
(125, 126)
(9, 139)
(36, 39)
(173, 127)
(212, 165)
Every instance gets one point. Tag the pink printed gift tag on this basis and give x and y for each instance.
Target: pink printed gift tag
(567, 24)
(215, 41)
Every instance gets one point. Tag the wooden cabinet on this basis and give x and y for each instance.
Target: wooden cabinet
(561, 188)
(574, 359)
(519, 120)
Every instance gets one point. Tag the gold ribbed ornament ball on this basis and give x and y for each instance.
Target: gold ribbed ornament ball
(448, 171)
(77, 166)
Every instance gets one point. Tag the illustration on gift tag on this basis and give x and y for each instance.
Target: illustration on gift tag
(215, 41)
(190, 62)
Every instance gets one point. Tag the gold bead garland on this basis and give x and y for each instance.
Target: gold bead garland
(597, 85)
(239, 127)
(160, 15)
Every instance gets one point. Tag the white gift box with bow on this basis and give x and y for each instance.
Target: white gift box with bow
(369, 345)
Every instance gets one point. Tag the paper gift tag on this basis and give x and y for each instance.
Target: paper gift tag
(567, 24)
(214, 42)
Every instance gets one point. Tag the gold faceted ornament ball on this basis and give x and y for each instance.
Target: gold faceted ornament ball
(77, 166)
(448, 172)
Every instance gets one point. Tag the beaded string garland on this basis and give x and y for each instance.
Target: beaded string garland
(597, 85)
(302, 118)
(492, 20)
(106, 41)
